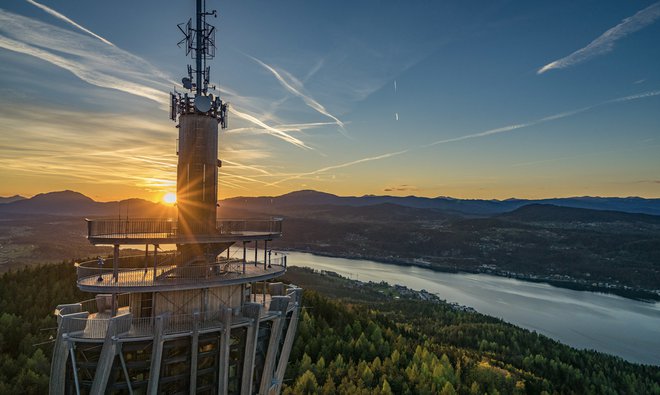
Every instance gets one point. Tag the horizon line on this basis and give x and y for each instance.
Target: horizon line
(341, 196)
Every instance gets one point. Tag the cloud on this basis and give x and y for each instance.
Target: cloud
(269, 129)
(339, 166)
(75, 156)
(401, 188)
(485, 133)
(636, 96)
(68, 20)
(244, 166)
(105, 66)
(605, 43)
(98, 62)
(549, 118)
(87, 58)
(295, 86)
(318, 66)
(294, 127)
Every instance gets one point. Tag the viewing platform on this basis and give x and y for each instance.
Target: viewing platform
(139, 274)
(93, 324)
(113, 231)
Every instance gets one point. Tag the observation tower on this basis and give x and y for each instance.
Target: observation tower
(198, 320)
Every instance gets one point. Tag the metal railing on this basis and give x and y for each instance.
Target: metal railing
(138, 228)
(92, 305)
(97, 328)
(145, 274)
(135, 263)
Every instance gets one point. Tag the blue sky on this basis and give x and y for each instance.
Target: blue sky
(491, 99)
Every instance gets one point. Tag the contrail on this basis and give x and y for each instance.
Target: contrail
(273, 131)
(296, 90)
(509, 128)
(97, 64)
(245, 178)
(68, 20)
(84, 73)
(549, 118)
(605, 43)
(242, 166)
(294, 127)
(339, 166)
(489, 132)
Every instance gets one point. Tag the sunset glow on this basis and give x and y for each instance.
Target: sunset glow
(169, 198)
(433, 99)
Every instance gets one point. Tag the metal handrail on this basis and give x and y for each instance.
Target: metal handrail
(96, 328)
(164, 274)
(91, 305)
(166, 228)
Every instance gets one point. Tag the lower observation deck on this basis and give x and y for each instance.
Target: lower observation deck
(94, 325)
(169, 277)
(166, 231)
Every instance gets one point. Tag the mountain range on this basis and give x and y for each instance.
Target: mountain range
(610, 242)
(75, 203)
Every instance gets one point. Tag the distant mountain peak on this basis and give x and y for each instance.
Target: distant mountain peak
(69, 202)
(307, 193)
(11, 199)
(61, 195)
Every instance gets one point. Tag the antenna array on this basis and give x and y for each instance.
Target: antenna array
(199, 44)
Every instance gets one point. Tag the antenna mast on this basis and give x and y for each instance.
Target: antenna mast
(200, 45)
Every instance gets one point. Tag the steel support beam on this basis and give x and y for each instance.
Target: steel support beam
(223, 353)
(278, 304)
(286, 347)
(253, 311)
(193, 353)
(156, 356)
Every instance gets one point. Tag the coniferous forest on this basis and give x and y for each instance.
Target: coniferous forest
(352, 338)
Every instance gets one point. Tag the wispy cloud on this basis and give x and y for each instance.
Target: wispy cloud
(586, 154)
(605, 43)
(269, 129)
(549, 118)
(73, 157)
(339, 166)
(401, 188)
(248, 167)
(295, 87)
(318, 66)
(485, 133)
(509, 128)
(108, 66)
(294, 127)
(96, 61)
(88, 59)
(68, 20)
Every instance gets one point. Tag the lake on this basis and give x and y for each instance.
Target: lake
(603, 322)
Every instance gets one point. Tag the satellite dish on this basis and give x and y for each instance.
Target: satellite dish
(186, 83)
(202, 103)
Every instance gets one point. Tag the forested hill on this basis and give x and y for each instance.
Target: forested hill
(352, 339)
(551, 213)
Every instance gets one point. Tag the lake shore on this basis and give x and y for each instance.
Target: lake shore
(643, 295)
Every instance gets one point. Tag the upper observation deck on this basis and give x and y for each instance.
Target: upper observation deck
(113, 231)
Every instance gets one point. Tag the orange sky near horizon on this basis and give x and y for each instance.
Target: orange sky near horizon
(104, 193)
(425, 99)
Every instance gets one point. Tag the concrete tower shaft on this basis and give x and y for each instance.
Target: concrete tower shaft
(197, 174)
(190, 321)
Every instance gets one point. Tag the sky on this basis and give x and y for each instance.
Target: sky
(480, 99)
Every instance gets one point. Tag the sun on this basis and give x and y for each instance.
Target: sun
(169, 198)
